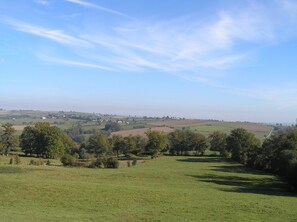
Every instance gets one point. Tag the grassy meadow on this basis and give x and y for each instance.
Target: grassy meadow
(164, 189)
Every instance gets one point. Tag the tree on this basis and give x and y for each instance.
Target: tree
(128, 145)
(45, 140)
(112, 127)
(8, 139)
(240, 142)
(218, 142)
(157, 141)
(117, 143)
(269, 157)
(28, 140)
(288, 166)
(140, 143)
(179, 142)
(97, 144)
(198, 143)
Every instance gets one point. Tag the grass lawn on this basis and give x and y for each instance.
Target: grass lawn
(165, 189)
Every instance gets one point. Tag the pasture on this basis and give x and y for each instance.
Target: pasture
(206, 127)
(142, 131)
(163, 189)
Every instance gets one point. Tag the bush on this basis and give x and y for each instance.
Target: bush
(134, 162)
(97, 163)
(38, 162)
(128, 163)
(104, 162)
(17, 160)
(112, 163)
(68, 160)
(79, 164)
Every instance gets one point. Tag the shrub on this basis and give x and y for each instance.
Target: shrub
(68, 160)
(97, 163)
(17, 160)
(104, 162)
(134, 162)
(38, 162)
(79, 164)
(128, 163)
(112, 163)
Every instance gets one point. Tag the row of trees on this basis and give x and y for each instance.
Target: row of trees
(179, 142)
(100, 145)
(277, 154)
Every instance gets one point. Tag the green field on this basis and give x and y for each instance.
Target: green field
(258, 129)
(164, 189)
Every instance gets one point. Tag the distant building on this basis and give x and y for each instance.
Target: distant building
(43, 117)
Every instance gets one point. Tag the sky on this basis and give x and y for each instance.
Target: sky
(216, 59)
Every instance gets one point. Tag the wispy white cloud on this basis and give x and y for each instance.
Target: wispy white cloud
(185, 46)
(95, 6)
(52, 34)
(72, 62)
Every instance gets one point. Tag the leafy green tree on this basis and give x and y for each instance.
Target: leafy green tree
(82, 151)
(129, 145)
(288, 166)
(240, 142)
(179, 142)
(97, 144)
(198, 143)
(45, 140)
(157, 141)
(8, 139)
(117, 143)
(218, 142)
(269, 157)
(139, 144)
(112, 127)
(28, 140)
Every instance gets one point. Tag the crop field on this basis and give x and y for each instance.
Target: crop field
(141, 131)
(134, 126)
(207, 127)
(163, 189)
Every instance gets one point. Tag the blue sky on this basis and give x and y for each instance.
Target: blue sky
(218, 59)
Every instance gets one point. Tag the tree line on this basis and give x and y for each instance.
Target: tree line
(277, 154)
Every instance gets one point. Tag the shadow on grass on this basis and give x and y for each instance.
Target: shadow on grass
(238, 184)
(18, 170)
(230, 182)
(204, 159)
(237, 168)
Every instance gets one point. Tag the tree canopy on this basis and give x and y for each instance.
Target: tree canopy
(7, 138)
(157, 141)
(45, 140)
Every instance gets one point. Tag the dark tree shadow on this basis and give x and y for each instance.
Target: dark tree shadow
(11, 170)
(239, 184)
(17, 170)
(204, 159)
(230, 182)
(236, 168)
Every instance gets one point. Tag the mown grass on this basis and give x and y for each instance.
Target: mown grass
(165, 189)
